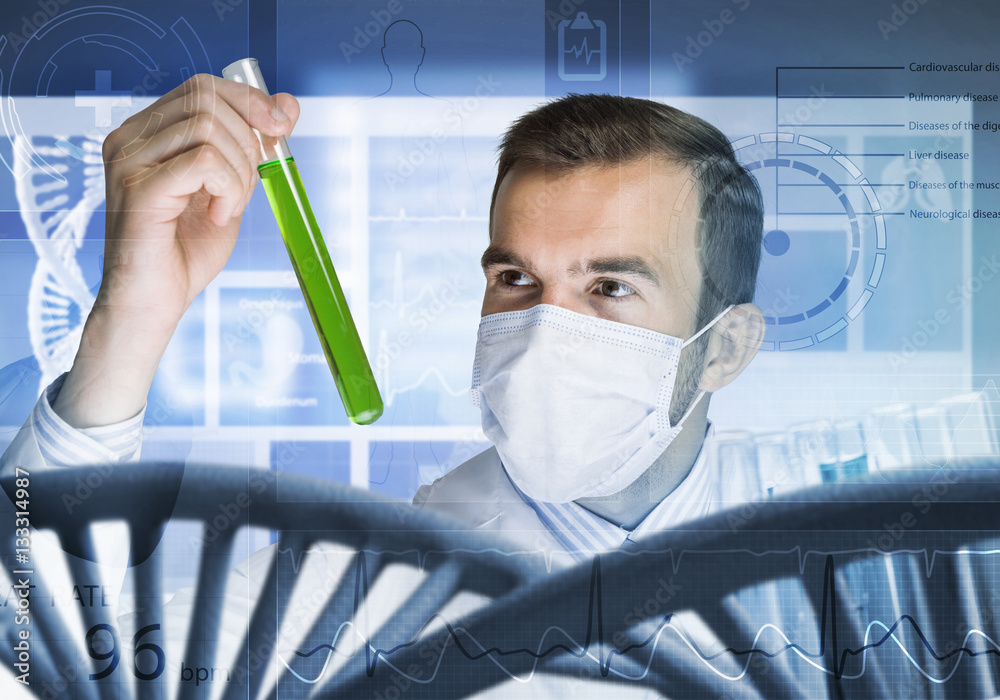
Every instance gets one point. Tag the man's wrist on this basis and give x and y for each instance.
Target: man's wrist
(113, 370)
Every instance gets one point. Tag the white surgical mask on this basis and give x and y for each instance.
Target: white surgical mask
(576, 406)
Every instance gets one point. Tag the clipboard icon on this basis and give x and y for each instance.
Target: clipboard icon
(582, 48)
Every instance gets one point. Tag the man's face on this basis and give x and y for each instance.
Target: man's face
(615, 242)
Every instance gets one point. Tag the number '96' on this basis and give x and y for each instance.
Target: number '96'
(113, 654)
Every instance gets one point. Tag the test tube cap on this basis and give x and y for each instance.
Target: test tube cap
(246, 71)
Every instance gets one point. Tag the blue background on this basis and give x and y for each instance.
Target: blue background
(427, 230)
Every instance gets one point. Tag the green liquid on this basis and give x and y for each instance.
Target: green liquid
(321, 289)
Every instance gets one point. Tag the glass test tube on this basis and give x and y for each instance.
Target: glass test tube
(311, 262)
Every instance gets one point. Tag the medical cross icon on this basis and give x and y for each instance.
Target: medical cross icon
(103, 98)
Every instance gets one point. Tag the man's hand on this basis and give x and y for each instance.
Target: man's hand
(179, 175)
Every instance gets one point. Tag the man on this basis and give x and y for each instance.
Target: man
(622, 214)
(619, 228)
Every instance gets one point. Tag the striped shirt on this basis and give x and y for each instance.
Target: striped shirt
(584, 534)
(62, 445)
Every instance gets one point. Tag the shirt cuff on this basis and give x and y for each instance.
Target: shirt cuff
(62, 445)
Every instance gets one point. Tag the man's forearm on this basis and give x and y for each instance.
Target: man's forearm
(113, 370)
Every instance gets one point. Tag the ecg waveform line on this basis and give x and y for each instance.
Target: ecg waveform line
(594, 638)
(577, 52)
(425, 297)
(930, 556)
(390, 392)
(829, 608)
(425, 300)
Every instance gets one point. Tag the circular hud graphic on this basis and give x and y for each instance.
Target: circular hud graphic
(824, 238)
(102, 59)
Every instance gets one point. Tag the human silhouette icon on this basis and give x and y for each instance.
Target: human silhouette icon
(403, 53)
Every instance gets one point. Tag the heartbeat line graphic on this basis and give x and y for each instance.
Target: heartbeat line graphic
(577, 52)
(593, 646)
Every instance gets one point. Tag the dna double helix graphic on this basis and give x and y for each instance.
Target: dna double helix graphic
(57, 199)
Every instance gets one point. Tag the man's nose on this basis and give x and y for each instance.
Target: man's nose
(560, 295)
(552, 294)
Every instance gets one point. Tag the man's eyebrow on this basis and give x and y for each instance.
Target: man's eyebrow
(633, 265)
(494, 256)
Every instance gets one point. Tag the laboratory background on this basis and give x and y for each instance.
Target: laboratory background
(872, 128)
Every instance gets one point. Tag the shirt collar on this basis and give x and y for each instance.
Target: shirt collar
(584, 534)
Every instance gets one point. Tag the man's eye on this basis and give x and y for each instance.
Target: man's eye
(611, 288)
(513, 278)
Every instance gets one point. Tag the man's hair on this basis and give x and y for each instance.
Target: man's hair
(605, 130)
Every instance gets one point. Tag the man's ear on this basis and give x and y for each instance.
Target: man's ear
(733, 342)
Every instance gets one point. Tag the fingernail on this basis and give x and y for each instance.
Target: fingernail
(278, 115)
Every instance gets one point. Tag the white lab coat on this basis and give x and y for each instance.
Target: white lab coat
(479, 493)
(23, 452)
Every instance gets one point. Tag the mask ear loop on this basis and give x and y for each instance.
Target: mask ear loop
(687, 342)
(707, 326)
